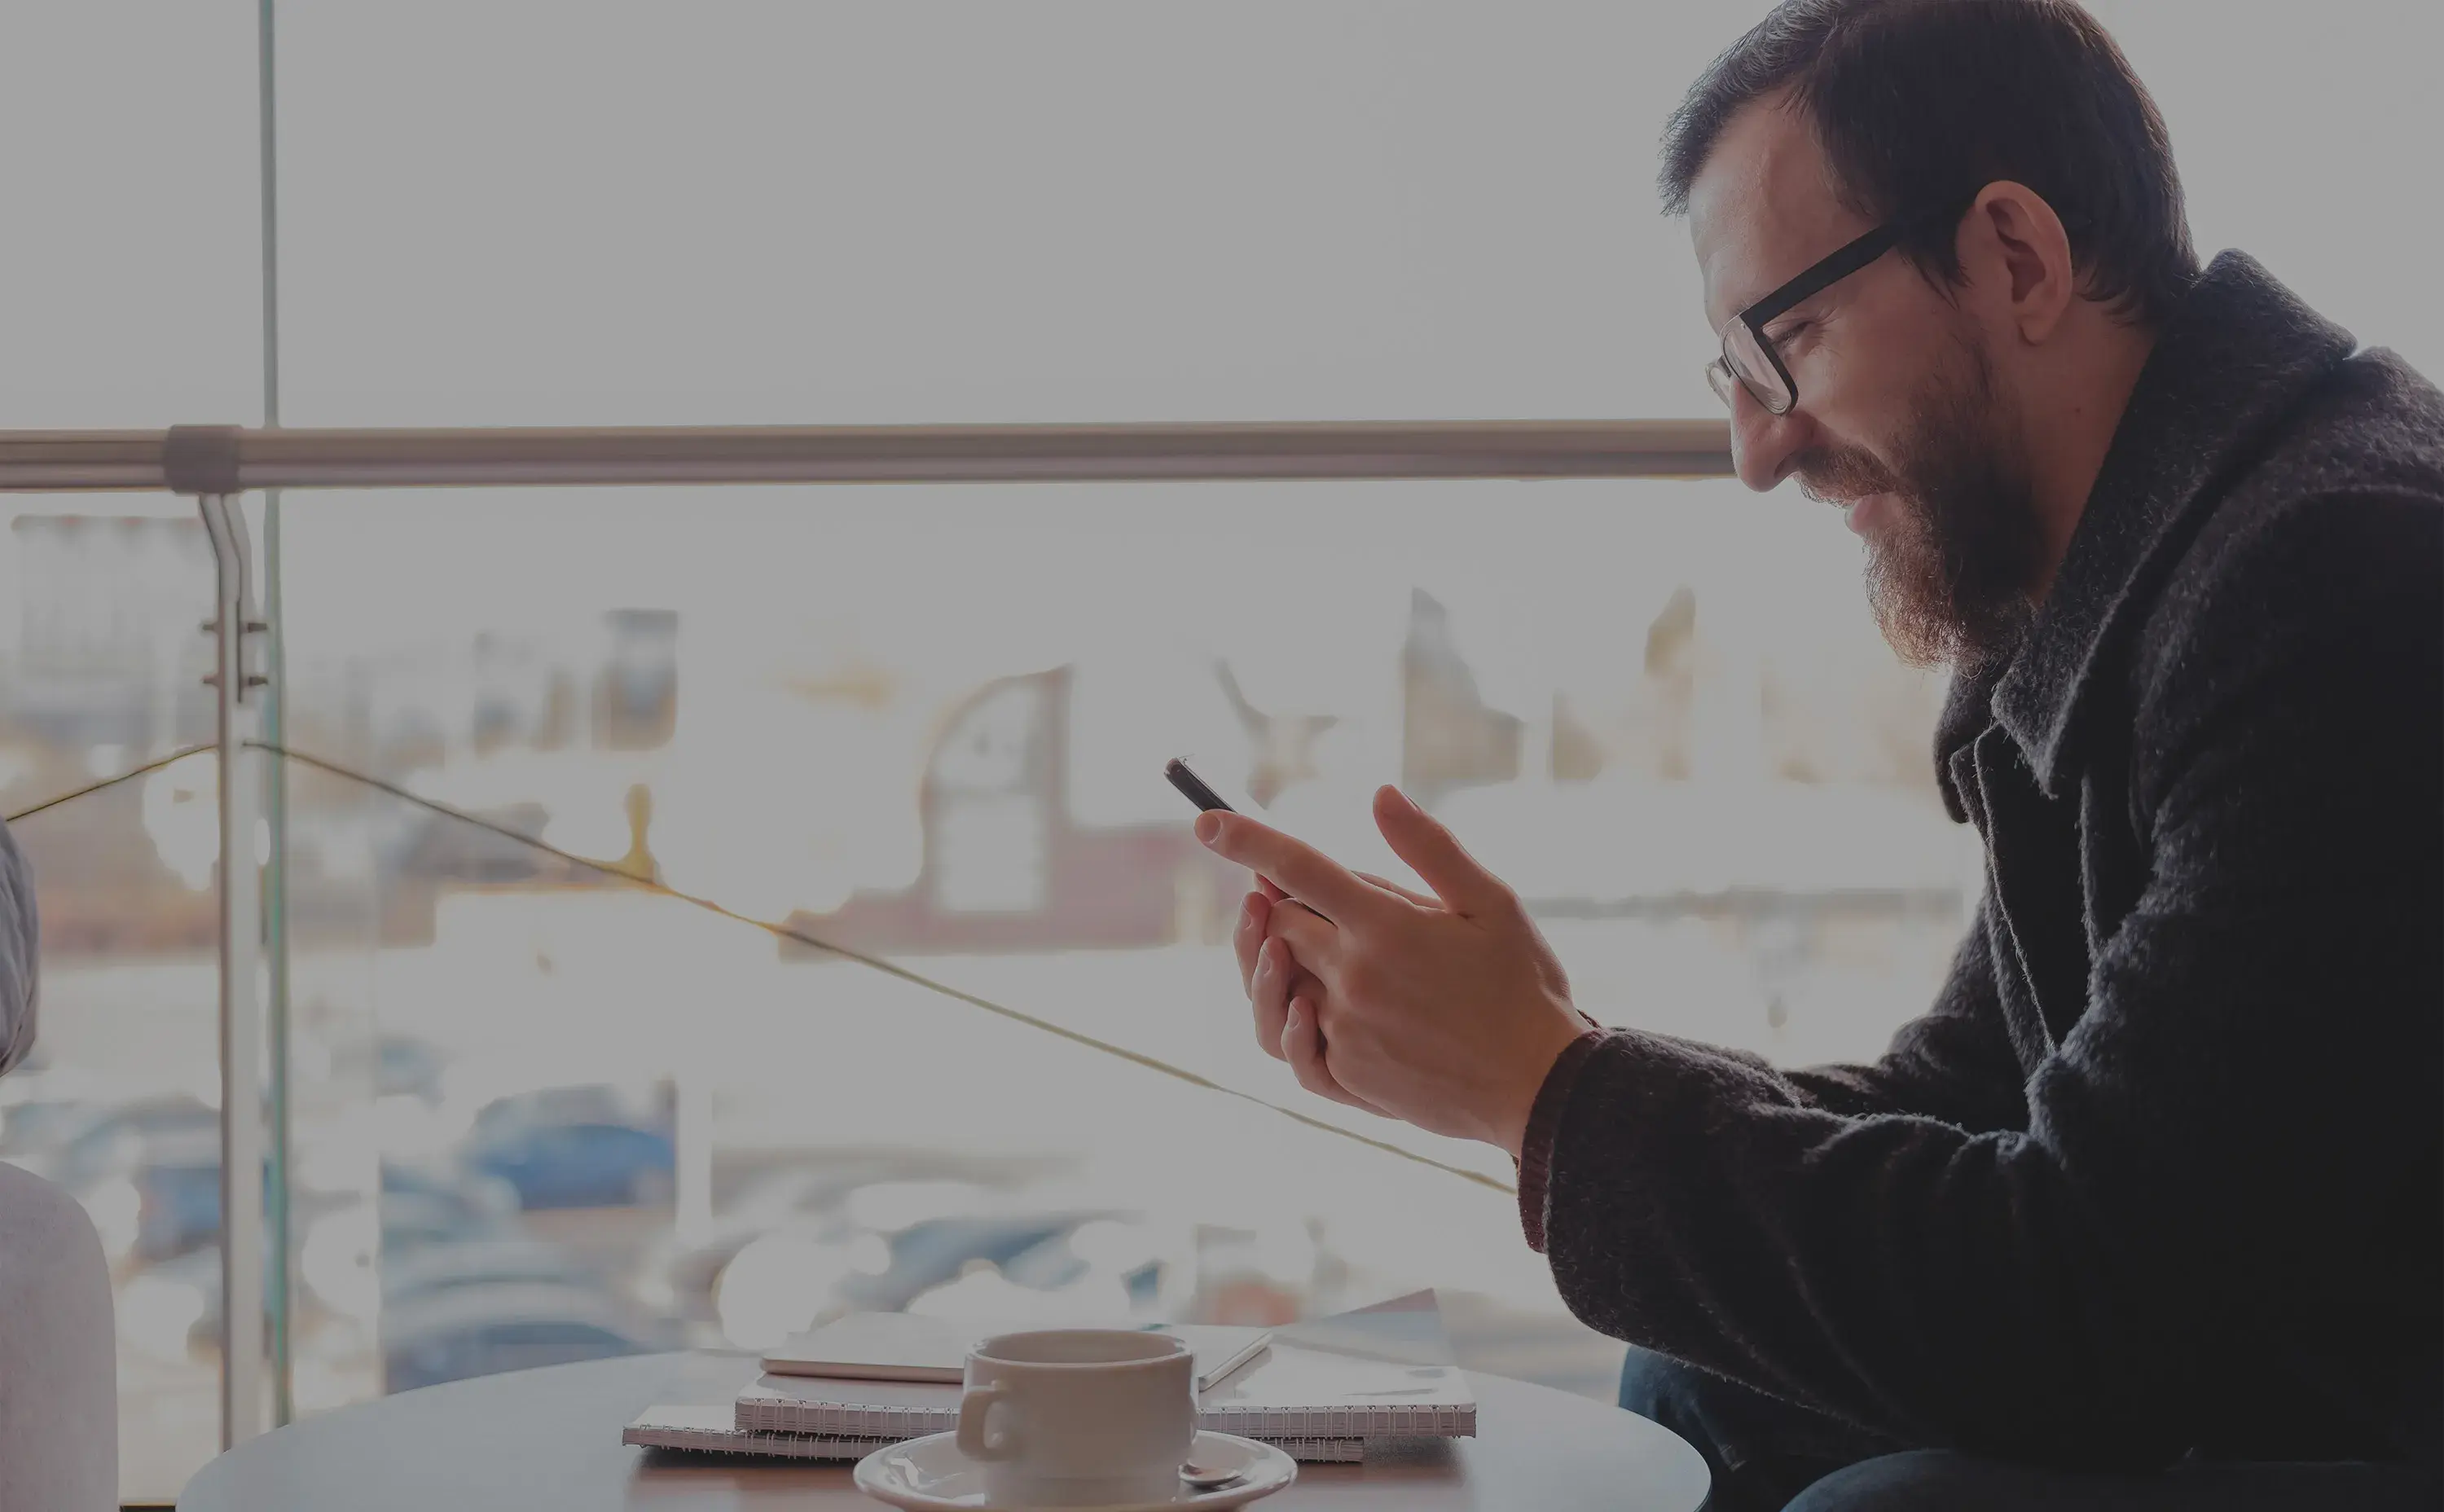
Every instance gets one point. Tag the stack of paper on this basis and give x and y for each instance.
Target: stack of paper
(896, 1347)
(1319, 1391)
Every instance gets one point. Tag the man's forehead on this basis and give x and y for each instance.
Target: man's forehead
(1763, 208)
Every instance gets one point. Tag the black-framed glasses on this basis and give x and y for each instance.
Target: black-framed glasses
(1751, 360)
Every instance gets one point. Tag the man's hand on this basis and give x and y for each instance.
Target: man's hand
(1274, 981)
(1446, 1011)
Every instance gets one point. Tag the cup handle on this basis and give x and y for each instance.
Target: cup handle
(975, 1406)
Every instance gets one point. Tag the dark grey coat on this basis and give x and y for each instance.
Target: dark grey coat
(2161, 1171)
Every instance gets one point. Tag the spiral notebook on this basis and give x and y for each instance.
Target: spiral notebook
(1381, 1372)
(710, 1431)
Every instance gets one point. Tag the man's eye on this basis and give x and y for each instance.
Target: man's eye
(1783, 338)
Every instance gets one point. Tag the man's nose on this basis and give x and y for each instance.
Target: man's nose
(1762, 443)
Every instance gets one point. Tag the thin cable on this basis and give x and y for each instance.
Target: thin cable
(108, 783)
(887, 968)
(799, 936)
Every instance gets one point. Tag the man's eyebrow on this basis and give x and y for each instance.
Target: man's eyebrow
(1731, 312)
(1750, 300)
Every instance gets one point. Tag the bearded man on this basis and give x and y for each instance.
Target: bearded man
(2147, 1212)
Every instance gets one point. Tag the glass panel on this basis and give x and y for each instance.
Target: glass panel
(134, 292)
(119, 1102)
(1091, 210)
(1081, 210)
(132, 298)
(929, 723)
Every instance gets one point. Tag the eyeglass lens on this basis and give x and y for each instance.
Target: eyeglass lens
(1745, 359)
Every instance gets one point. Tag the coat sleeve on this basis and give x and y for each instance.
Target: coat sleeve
(20, 935)
(2211, 1150)
(1954, 1063)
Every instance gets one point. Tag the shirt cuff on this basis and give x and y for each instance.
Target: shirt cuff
(1544, 1122)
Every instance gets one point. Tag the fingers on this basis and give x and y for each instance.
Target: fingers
(1297, 869)
(1313, 940)
(1435, 856)
(1420, 900)
(1269, 995)
(1272, 894)
(1303, 1047)
(1249, 938)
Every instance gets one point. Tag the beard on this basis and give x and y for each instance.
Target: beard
(1951, 581)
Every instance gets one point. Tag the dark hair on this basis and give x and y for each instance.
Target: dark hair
(1921, 104)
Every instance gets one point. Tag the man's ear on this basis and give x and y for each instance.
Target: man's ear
(2012, 242)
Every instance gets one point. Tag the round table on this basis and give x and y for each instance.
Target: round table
(550, 1439)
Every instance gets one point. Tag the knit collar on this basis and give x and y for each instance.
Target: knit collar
(2239, 352)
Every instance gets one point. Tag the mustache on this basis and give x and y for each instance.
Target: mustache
(1839, 474)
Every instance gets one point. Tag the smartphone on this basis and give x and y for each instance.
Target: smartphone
(1177, 773)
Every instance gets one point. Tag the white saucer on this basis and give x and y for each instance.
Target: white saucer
(930, 1475)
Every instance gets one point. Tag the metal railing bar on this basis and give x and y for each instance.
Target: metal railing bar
(55, 461)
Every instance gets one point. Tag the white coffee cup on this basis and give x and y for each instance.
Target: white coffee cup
(1079, 1416)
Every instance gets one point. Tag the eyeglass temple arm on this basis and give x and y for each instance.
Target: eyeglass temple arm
(1840, 266)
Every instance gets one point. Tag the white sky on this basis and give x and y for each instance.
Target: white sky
(541, 211)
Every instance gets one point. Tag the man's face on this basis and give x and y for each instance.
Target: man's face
(1900, 418)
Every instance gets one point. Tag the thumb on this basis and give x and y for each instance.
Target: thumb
(1435, 856)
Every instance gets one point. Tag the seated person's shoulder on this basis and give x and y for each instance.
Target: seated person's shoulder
(20, 939)
(2338, 522)
(2316, 579)
(16, 887)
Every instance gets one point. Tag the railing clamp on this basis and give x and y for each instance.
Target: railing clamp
(200, 459)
